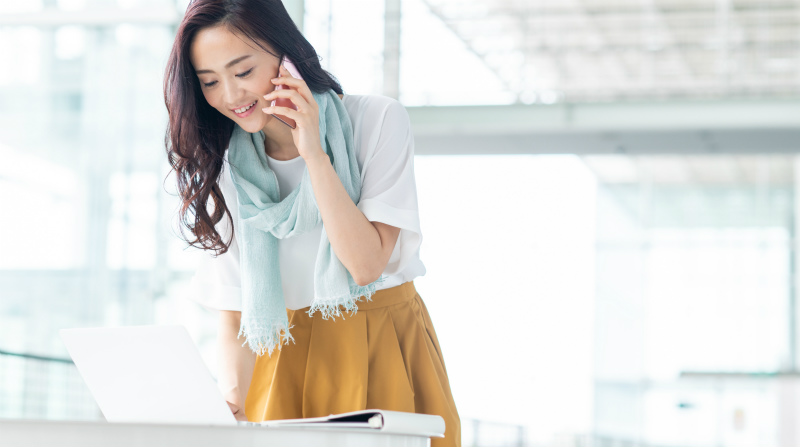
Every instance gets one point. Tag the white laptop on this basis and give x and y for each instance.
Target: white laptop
(155, 374)
(147, 374)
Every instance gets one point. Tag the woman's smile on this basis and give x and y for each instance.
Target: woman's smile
(245, 111)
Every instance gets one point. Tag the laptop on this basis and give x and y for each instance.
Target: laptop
(147, 374)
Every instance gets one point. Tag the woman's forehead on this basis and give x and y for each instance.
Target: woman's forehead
(212, 48)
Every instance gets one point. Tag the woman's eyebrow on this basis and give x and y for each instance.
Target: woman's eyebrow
(228, 65)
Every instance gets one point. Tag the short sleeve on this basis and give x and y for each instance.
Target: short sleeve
(388, 187)
(216, 283)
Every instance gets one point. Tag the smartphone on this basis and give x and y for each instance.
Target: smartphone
(286, 102)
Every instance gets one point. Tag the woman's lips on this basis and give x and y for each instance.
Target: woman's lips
(247, 112)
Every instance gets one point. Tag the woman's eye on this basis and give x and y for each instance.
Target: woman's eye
(240, 75)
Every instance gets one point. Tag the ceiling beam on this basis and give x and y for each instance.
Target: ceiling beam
(668, 127)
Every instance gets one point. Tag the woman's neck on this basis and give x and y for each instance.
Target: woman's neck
(278, 141)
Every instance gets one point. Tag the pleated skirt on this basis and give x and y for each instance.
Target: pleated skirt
(385, 356)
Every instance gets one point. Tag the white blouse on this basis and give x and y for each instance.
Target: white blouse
(384, 148)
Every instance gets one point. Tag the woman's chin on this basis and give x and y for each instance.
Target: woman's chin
(251, 126)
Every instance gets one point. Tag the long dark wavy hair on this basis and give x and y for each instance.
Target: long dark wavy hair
(197, 134)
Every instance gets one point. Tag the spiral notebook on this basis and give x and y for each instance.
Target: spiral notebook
(386, 421)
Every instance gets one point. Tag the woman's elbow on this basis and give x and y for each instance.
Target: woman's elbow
(366, 278)
(361, 281)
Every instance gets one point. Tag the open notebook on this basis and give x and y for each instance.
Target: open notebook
(381, 420)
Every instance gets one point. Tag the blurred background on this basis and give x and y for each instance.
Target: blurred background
(627, 173)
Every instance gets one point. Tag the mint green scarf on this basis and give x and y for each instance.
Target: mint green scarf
(264, 218)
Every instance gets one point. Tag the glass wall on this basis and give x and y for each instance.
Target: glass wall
(693, 313)
(87, 212)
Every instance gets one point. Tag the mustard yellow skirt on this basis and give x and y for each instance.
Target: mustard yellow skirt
(385, 356)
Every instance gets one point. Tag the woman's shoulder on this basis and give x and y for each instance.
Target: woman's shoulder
(366, 107)
(372, 115)
(375, 119)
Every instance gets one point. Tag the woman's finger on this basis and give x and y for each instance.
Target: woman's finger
(291, 94)
(297, 84)
(285, 111)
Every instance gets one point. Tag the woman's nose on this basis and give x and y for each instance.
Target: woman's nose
(233, 93)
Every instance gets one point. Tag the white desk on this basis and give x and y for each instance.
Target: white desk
(33, 433)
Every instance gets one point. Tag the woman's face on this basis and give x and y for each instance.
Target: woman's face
(234, 74)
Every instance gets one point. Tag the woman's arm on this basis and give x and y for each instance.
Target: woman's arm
(236, 362)
(364, 247)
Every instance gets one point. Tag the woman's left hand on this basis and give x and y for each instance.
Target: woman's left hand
(306, 117)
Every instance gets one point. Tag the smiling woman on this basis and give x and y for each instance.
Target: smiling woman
(193, 154)
(234, 88)
(321, 217)
(243, 84)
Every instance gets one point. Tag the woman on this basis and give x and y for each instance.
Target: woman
(336, 224)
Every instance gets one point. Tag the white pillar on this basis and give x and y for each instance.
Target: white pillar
(391, 48)
(788, 388)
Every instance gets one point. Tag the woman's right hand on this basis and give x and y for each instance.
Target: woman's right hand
(238, 413)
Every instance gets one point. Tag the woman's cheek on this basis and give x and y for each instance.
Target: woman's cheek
(209, 100)
(263, 88)
(217, 104)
